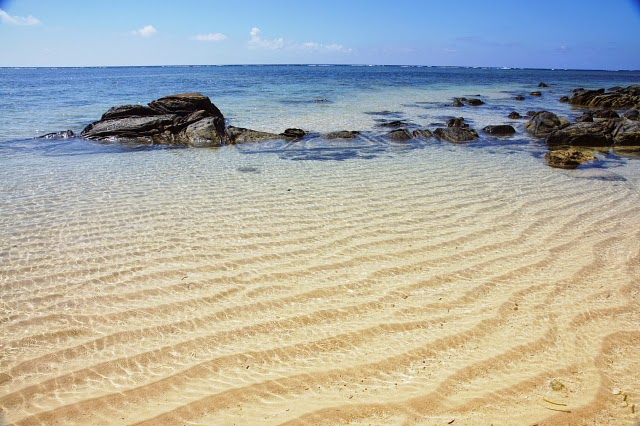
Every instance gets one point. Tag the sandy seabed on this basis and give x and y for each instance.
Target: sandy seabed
(218, 289)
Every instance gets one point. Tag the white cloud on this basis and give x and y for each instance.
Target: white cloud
(259, 42)
(146, 31)
(5, 18)
(210, 37)
(316, 47)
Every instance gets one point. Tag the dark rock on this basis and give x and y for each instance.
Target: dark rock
(66, 134)
(395, 123)
(605, 113)
(597, 134)
(343, 134)
(564, 99)
(500, 130)
(586, 117)
(543, 84)
(203, 133)
(519, 98)
(422, 133)
(129, 127)
(400, 135)
(129, 111)
(475, 102)
(568, 158)
(242, 135)
(321, 100)
(626, 132)
(457, 122)
(532, 113)
(456, 134)
(615, 88)
(189, 119)
(632, 114)
(623, 98)
(515, 115)
(536, 93)
(457, 102)
(543, 123)
(293, 133)
(184, 104)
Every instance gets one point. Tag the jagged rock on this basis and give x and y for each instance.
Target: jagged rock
(515, 115)
(543, 84)
(543, 123)
(129, 111)
(605, 113)
(189, 119)
(586, 117)
(400, 135)
(343, 134)
(632, 114)
(422, 133)
(457, 122)
(568, 158)
(456, 134)
(500, 130)
(621, 98)
(626, 132)
(581, 134)
(66, 134)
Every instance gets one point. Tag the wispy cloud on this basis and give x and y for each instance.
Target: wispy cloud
(210, 37)
(258, 42)
(319, 47)
(146, 31)
(5, 18)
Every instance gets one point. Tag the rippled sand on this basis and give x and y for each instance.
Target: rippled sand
(208, 287)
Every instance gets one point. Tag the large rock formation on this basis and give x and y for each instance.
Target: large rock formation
(619, 98)
(183, 119)
(617, 132)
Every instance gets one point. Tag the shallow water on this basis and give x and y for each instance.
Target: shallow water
(317, 282)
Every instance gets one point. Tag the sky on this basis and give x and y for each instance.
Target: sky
(578, 34)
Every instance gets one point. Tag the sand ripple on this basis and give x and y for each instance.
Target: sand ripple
(177, 290)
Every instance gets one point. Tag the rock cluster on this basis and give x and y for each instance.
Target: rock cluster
(618, 98)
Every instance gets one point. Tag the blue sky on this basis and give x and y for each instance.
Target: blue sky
(592, 34)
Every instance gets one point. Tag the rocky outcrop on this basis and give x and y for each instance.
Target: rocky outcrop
(543, 123)
(615, 132)
(459, 102)
(184, 119)
(422, 133)
(456, 134)
(66, 134)
(620, 98)
(500, 130)
(400, 135)
(568, 158)
(515, 115)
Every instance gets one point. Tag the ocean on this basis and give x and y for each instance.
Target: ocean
(366, 281)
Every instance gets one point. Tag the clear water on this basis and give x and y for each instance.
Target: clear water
(272, 282)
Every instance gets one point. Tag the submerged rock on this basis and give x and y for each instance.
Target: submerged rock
(66, 134)
(456, 134)
(400, 135)
(519, 98)
(343, 134)
(475, 102)
(515, 115)
(543, 84)
(188, 118)
(568, 158)
(500, 130)
(457, 122)
(422, 133)
(395, 123)
(536, 93)
(242, 135)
